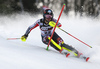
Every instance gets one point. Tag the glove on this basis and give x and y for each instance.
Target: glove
(24, 37)
(52, 24)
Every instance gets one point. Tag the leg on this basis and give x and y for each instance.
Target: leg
(53, 44)
(57, 39)
(70, 49)
(56, 46)
(60, 41)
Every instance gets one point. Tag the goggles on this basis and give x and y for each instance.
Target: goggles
(48, 16)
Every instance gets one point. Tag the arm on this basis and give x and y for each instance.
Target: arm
(24, 37)
(30, 28)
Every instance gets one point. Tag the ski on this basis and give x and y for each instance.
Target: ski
(64, 52)
(67, 54)
(86, 58)
(80, 56)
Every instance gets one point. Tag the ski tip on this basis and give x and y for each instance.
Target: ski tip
(87, 59)
(67, 54)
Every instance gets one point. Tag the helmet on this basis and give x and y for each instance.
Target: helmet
(48, 14)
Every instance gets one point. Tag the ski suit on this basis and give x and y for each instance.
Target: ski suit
(46, 31)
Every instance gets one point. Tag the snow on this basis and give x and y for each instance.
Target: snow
(32, 54)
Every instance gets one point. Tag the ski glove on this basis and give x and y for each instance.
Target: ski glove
(52, 24)
(24, 37)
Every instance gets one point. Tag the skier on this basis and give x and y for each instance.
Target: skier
(46, 31)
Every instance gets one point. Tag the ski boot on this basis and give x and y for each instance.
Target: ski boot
(64, 52)
(80, 55)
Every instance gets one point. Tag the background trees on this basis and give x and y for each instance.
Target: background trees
(83, 7)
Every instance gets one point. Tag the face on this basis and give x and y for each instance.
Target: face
(48, 18)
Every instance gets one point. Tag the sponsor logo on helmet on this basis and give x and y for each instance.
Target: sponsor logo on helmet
(49, 11)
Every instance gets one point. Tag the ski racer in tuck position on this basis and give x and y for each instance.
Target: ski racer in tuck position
(46, 32)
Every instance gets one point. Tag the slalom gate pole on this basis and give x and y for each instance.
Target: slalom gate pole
(12, 38)
(51, 23)
(55, 25)
(75, 37)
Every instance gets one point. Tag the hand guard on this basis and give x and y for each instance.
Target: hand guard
(24, 37)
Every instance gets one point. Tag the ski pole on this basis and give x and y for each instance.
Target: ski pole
(22, 39)
(55, 26)
(13, 38)
(51, 23)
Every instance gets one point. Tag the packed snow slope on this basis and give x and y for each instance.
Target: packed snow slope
(32, 54)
